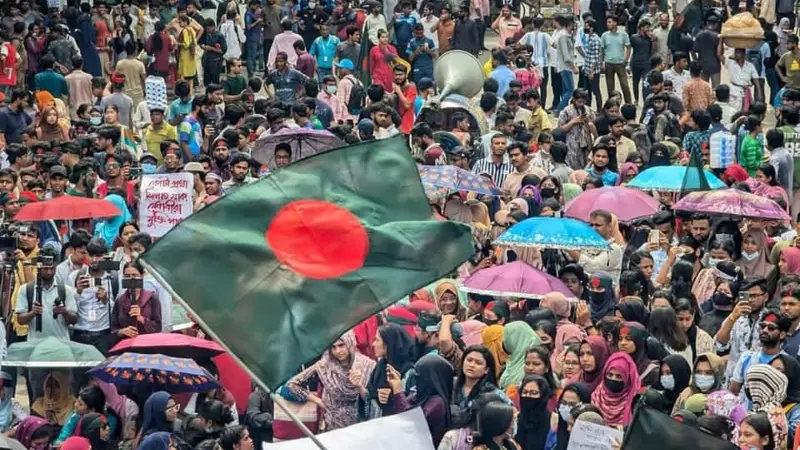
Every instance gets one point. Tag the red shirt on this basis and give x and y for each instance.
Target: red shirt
(8, 74)
(407, 115)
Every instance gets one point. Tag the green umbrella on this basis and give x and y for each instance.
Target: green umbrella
(180, 318)
(52, 352)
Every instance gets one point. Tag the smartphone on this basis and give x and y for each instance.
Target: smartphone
(744, 297)
(132, 283)
(654, 237)
(97, 282)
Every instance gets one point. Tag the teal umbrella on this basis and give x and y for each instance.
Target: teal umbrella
(52, 352)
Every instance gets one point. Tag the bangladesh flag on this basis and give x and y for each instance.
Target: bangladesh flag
(279, 269)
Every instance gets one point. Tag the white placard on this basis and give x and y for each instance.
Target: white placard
(590, 436)
(405, 431)
(165, 200)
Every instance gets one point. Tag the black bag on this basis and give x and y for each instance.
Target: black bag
(358, 97)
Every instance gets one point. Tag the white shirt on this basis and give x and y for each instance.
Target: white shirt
(65, 269)
(678, 80)
(234, 37)
(427, 24)
(56, 328)
(93, 315)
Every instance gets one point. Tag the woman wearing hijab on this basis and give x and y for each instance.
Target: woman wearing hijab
(393, 347)
(727, 404)
(675, 376)
(108, 229)
(592, 355)
(57, 403)
(157, 441)
(573, 395)
(160, 412)
(708, 376)
(343, 373)
(518, 337)
(789, 366)
(633, 341)
(492, 337)
(434, 389)
(33, 433)
(614, 396)
(91, 400)
(95, 428)
(11, 412)
(627, 172)
(755, 254)
(445, 295)
(533, 422)
(601, 296)
(765, 387)
(49, 129)
(76, 443)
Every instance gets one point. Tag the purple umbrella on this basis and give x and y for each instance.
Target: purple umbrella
(304, 142)
(627, 204)
(516, 279)
(732, 202)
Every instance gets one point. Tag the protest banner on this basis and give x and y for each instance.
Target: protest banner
(403, 431)
(590, 436)
(165, 200)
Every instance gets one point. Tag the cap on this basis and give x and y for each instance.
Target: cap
(194, 167)
(345, 64)
(146, 155)
(58, 170)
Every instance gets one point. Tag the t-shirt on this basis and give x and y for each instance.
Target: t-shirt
(614, 43)
(234, 85)
(287, 83)
(52, 82)
(705, 44)
(423, 62)
(345, 50)
(251, 34)
(791, 142)
(189, 131)
(791, 67)
(12, 123)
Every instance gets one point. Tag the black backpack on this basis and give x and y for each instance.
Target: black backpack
(358, 97)
(62, 293)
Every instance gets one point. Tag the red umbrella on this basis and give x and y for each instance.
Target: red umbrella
(169, 344)
(627, 204)
(67, 207)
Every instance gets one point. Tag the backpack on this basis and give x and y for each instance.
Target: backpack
(62, 293)
(358, 97)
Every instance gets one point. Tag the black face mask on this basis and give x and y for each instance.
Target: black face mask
(615, 386)
(548, 192)
(689, 257)
(532, 404)
(597, 297)
(490, 322)
(722, 299)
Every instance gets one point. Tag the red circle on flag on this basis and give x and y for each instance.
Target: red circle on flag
(318, 239)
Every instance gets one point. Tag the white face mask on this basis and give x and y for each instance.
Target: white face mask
(668, 382)
(750, 256)
(563, 411)
(330, 89)
(704, 382)
(712, 262)
(312, 5)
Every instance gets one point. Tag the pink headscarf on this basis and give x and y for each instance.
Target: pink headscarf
(628, 166)
(558, 303)
(617, 407)
(792, 257)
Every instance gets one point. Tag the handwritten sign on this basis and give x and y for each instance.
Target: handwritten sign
(166, 199)
(590, 436)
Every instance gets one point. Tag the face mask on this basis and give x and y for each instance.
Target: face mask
(95, 120)
(712, 262)
(563, 411)
(615, 386)
(668, 382)
(330, 89)
(750, 256)
(704, 382)
(597, 297)
(689, 257)
(722, 299)
(548, 192)
(148, 168)
(312, 5)
(490, 322)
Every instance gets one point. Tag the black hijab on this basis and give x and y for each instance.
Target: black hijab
(793, 375)
(534, 418)
(434, 379)
(91, 425)
(585, 395)
(399, 353)
(682, 373)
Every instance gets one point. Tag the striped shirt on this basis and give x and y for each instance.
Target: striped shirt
(540, 42)
(498, 172)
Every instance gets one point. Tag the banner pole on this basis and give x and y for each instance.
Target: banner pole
(276, 399)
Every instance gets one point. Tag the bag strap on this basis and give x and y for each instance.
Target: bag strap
(647, 371)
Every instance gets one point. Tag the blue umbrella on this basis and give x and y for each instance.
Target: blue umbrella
(670, 178)
(553, 232)
(451, 177)
(158, 371)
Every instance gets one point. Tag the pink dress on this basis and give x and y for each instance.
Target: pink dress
(381, 70)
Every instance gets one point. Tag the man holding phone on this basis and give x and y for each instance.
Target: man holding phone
(96, 287)
(739, 333)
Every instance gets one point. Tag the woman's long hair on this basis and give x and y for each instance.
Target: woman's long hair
(663, 326)
(490, 379)
(158, 39)
(544, 355)
(760, 423)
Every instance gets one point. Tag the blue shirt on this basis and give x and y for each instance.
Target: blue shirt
(251, 34)
(177, 108)
(609, 178)
(52, 82)
(403, 28)
(324, 50)
(503, 75)
(287, 83)
(189, 131)
(423, 62)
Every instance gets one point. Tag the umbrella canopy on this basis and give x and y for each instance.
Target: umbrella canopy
(516, 279)
(10, 444)
(52, 352)
(669, 178)
(67, 207)
(732, 202)
(304, 142)
(172, 344)
(625, 203)
(452, 177)
(553, 232)
(161, 372)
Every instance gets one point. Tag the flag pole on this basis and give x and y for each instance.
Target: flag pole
(276, 399)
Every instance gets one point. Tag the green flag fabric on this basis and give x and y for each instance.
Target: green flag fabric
(279, 269)
(695, 178)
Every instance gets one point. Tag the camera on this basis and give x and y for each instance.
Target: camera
(40, 261)
(108, 264)
(132, 283)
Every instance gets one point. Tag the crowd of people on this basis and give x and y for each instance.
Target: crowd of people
(700, 323)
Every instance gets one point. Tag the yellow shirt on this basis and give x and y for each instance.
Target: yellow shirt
(154, 138)
(539, 122)
(19, 281)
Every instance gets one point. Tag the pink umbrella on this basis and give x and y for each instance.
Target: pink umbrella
(732, 202)
(516, 279)
(625, 203)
